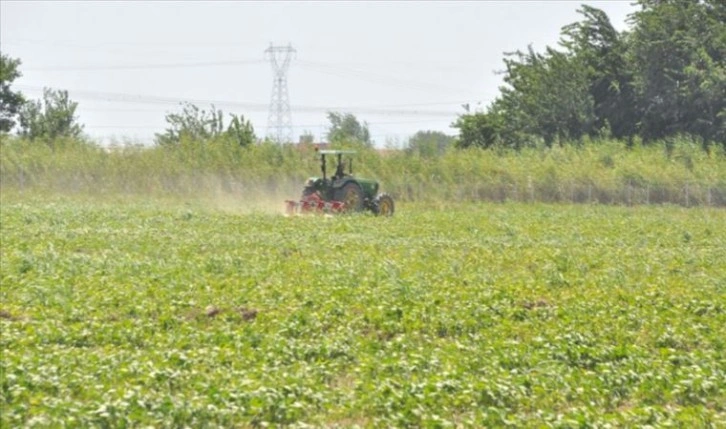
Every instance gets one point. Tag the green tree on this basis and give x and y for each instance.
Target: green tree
(666, 76)
(429, 143)
(545, 95)
(10, 102)
(307, 137)
(603, 53)
(678, 57)
(51, 118)
(345, 127)
(240, 131)
(480, 129)
(200, 125)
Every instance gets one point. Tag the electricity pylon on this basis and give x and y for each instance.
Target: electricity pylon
(279, 120)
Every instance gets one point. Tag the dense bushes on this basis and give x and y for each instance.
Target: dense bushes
(676, 172)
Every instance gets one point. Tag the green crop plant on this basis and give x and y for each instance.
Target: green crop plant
(131, 312)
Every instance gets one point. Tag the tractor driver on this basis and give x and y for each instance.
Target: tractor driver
(339, 171)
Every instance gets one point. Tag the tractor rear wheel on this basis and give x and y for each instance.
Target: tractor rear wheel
(383, 205)
(352, 195)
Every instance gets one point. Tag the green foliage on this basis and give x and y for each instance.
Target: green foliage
(345, 128)
(665, 77)
(429, 143)
(674, 171)
(482, 130)
(307, 138)
(134, 313)
(10, 101)
(195, 124)
(240, 131)
(602, 52)
(50, 119)
(678, 54)
(547, 95)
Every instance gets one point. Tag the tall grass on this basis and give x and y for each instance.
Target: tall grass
(605, 172)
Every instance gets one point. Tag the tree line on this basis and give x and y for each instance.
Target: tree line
(55, 116)
(663, 77)
(52, 117)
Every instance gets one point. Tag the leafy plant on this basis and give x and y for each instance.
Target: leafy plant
(140, 312)
(52, 118)
(195, 124)
(10, 101)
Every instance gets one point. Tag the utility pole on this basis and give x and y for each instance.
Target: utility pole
(279, 120)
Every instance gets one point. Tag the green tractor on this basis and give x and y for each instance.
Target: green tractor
(341, 193)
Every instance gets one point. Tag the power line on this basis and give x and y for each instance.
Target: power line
(301, 126)
(145, 99)
(428, 64)
(323, 68)
(150, 99)
(146, 66)
(298, 127)
(115, 109)
(135, 45)
(258, 107)
(377, 78)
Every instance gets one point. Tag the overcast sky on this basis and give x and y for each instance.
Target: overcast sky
(400, 66)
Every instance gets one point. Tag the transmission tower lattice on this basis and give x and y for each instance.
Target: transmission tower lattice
(279, 121)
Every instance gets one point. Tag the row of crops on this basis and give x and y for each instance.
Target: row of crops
(133, 313)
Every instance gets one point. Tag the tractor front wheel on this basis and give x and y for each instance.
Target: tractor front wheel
(352, 195)
(383, 205)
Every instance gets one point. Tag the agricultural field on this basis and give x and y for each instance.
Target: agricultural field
(133, 313)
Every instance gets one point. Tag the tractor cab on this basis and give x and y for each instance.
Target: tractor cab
(340, 166)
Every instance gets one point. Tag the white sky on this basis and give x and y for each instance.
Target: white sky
(400, 66)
